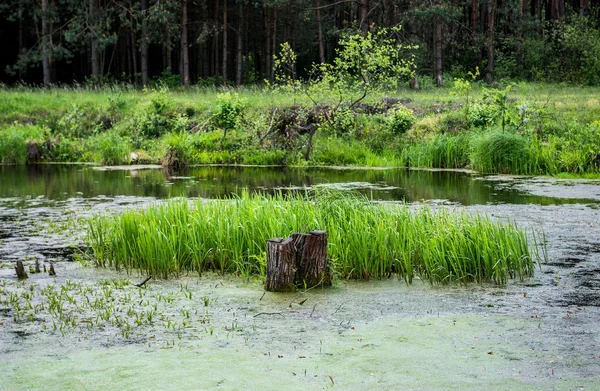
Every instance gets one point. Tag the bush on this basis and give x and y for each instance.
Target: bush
(400, 119)
(229, 110)
(68, 150)
(453, 122)
(110, 148)
(12, 146)
(425, 128)
(481, 115)
(178, 149)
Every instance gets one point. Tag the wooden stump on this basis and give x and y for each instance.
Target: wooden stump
(51, 271)
(281, 258)
(20, 269)
(311, 259)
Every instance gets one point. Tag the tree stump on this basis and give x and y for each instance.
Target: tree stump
(311, 259)
(51, 271)
(20, 269)
(281, 258)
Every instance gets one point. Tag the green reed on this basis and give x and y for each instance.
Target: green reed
(366, 239)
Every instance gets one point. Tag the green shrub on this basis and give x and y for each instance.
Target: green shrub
(424, 128)
(178, 149)
(481, 115)
(400, 119)
(13, 149)
(110, 148)
(229, 110)
(453, 122)
(68, 150)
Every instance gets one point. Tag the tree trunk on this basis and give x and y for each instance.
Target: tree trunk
(133, 48)
(267, 29)
(224, 43)
(215, 49)
(523, 13)
(489, 77)
(281, 258)
(144, 48)
(583, 6)
(475, 34)
(274, 43)
(414, 82)
(388, 13)
(185, 58)
(364, 13)
(240, 41)
(311, 259)
(320, 33)
(94, 41)
(20, 270)
(45, 45)
(438, 54)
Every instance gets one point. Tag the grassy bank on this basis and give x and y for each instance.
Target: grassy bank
(531, 129)
(366, 240)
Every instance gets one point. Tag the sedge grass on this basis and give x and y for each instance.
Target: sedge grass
(366, 240)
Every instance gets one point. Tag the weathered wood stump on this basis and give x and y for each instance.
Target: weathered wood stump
(311, 259)
(281, 258)
(51, 271)
(300, 261)
(20, 269)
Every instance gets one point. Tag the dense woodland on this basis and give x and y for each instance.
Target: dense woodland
(233, 41)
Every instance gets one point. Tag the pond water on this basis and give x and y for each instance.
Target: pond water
(34, 185)
(536, 334)
(37, 202)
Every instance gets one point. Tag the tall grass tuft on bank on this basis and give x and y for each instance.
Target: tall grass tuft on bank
(366, 240)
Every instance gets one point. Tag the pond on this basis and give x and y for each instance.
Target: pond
(540, 333)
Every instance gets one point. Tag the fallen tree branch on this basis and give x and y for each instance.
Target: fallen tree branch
(141, 284)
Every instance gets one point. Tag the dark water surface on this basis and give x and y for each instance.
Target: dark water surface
(38, 204)
(47, 183)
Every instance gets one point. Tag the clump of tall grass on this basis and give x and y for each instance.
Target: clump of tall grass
(366, 240)
(13, 143)
(110, 148)
(441, 151)
(508, 153)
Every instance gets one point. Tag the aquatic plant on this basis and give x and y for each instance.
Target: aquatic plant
(366, 240)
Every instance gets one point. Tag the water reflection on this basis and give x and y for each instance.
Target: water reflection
(61, 182)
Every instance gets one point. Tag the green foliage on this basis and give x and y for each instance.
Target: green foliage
(569, 52)
(12, 146)
(178, 149)
(400, 119)
(167, 79)
(441, 151)
(110, 148)
(229, 110)
(337, 151)
(343, 122)
(363, 64)
(452, 122)
(284, 64)
(366, 240)
(503, 153)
